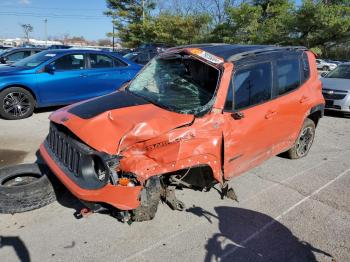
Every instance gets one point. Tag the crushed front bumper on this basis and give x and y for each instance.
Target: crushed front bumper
(121, 197)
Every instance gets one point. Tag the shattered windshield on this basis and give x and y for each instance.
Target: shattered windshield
(178, 83)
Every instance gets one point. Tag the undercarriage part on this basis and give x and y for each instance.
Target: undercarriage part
(228, 192)
(150, 197)
(171, 200)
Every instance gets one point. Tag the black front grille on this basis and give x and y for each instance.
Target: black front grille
(63, 148)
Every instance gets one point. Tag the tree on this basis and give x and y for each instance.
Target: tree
(129, 18)
(27, 28)
(318, 24)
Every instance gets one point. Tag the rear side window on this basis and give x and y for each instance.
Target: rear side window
(70, 62)
(252, 85)
(288, 75)
(100, 61)
(306, 67)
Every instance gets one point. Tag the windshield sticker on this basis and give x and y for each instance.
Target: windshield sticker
(207, 56)
(50, 55)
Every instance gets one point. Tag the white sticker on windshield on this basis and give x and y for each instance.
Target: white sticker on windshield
(50, 55)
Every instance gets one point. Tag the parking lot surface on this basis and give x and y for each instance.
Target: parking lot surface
(288, 210)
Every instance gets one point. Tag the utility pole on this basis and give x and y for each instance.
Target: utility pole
(143, 11)
(113, 32)
(45, 21)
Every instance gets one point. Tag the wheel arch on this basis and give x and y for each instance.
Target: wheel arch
(26, 88)
(316, 113)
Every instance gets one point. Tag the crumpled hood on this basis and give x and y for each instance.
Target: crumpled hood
(116, 121)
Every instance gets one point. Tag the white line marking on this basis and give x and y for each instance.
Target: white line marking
(160, 242)
(258, 232)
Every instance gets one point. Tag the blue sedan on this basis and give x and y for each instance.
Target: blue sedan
(60, 77)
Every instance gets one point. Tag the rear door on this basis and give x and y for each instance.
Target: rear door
(292, 97)
(105, 74)
(250, 128)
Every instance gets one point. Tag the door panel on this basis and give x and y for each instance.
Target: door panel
(248, 140)
(66, 84)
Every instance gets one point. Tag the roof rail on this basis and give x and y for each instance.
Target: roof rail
(264, 50)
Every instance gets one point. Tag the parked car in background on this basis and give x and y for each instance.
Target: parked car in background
(325, 66)
(59, 47)
(13, 55)
(336, 88)
(60, 77)
(142, 57)
(157, 47)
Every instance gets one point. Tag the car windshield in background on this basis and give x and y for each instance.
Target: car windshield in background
(130, 55)
(342, 71)
(178, 83)
(35, 60)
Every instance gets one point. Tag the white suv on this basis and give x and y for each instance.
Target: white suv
(325, 66)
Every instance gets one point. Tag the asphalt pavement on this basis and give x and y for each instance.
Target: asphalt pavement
(288, 210)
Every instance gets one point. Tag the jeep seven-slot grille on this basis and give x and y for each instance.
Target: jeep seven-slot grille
(62, 147)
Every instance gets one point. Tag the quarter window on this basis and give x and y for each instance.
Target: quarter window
(253, 85)
(306, 67)
(70, 62)
(288, 75)
(100, 61)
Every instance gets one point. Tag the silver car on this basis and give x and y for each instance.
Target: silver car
(336, 88)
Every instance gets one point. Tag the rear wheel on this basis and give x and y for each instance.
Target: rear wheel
(304, 141)
(16, 103)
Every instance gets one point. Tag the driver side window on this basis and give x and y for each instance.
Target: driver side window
(70, 62)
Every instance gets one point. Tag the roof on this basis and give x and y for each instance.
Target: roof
(232, 52)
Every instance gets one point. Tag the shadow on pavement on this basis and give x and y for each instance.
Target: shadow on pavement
(46, 109)
(19, 247)
(9, 157)
(246, 235)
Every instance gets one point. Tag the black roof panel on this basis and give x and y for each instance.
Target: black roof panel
(226, 51)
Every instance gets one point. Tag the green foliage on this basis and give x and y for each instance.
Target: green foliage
(316, 50)
(316, 23)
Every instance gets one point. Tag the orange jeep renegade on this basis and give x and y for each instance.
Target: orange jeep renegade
(195, 116)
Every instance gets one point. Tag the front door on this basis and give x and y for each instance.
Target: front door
(250, 129)
(67, 83)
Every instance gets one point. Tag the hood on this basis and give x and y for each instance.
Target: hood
(116, 121)
(336, 83)
(11, 70)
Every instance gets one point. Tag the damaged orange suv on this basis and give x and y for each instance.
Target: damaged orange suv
(194, 117)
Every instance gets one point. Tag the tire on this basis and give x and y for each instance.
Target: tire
(304, 141)
(148, 208)
(16, 103)
(325, 68)
(25, 187)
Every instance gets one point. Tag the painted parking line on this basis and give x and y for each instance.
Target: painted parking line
(166, 239)
(272, 222)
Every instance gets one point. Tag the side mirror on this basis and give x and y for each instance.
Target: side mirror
(50, 68)
(324, 74)
(3, 60)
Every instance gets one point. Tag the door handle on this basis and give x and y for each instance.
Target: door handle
(83, 75)
(304, 99)
(270, 114)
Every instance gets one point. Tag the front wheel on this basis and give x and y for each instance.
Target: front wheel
(304, 141)
(16, 103)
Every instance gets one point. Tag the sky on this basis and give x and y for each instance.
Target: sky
(73, 17)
